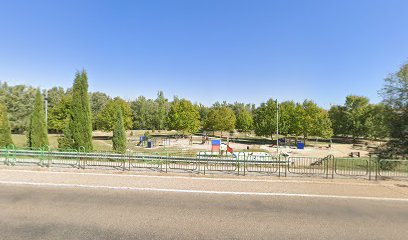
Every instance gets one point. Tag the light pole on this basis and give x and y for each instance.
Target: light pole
(46, 107)
(277, 126)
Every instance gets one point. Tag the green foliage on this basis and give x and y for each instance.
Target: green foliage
(147, 135)
(290, 118)
(19, 102)
(338, 118)
(184, 116)
(377, 122)
(150, 114)
(265, 119)
(359, 118)
(244, 120)
(37, 132)
(106, 118)
(357, 109)
(305, 119)
(119, 133)
(220, 119)
(143, 112)
(98, 102)
(55, 95)
(395, 97)
(160, 112)
(81, 121)
(203, 110)
(315, 121)
(59, 112)
(66, 141)
(5, 130)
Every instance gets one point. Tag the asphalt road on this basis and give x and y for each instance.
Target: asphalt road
(31, 207)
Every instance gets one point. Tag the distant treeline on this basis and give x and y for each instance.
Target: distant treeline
(357, 117)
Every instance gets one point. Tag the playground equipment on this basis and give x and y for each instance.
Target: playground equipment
(142, 141)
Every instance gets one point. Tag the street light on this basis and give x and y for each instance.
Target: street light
(277, 126)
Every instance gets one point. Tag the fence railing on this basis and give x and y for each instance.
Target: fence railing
(238, 164)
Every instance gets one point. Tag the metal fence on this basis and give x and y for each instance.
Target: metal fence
(237, 164)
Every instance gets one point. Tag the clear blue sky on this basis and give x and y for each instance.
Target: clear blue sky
(206, 50)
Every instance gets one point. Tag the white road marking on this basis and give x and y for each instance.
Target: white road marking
(328, 181)
(276, 194)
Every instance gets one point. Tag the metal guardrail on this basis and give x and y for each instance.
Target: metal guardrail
(352, 166)
(240, 164)
(392, 168)
(310, 165)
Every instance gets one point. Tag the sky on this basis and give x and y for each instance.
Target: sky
(207, 50)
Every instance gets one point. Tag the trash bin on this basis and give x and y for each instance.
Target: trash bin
(149, 144)
(300, 145)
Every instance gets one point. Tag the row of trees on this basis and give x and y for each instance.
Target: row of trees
(360, 118)
(75, 112)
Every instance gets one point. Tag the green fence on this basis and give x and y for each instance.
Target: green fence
(237, 164)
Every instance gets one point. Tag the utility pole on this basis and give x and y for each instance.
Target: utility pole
(277, 126)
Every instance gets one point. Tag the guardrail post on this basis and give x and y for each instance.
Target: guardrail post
(124, 161)
(377, 163)
(369, 167)
(238, 165)
(167, 159)
(129, 158)
(327, 166)
(244, 165)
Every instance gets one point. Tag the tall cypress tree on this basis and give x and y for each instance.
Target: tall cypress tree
(5, 130)
(119, 134)
(81, 122)
(37, 131)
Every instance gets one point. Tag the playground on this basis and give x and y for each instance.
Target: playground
(238, 142)
(150, 142)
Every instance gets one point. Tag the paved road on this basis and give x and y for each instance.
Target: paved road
(43, 205)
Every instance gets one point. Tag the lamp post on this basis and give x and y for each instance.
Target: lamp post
(277, 126)
(46, 107)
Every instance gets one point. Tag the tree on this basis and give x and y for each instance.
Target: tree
(203, 110)
(58, 114)
(98, 102)
(244, 121)
(289, 119)
(377, 122)
(119, 133)
(357, 109)
(143, 111)
(55, 94)
(338, 118)
(5, 130)
(37, 132)
(220, 118)
(226, 119)
(315, 121)
(18, 100)
(265, 119)
(66, 141)
(161, 110)
(81, 121)
(183, 116)
(106, 119)
(395, 97)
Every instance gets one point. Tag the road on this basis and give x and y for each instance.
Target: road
(72, 205)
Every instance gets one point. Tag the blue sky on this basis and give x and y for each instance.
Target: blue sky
(206, 50)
